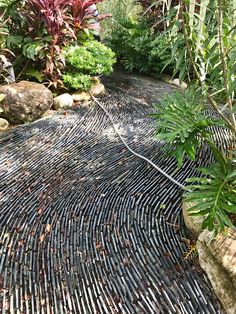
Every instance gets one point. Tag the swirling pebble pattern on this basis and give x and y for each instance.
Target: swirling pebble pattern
(88, 228)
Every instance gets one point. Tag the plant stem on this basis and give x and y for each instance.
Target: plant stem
(229, 123)
(224, 62)
(25, 66)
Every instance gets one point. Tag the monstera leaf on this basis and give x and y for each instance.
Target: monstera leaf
(214, 196)
(182, 124)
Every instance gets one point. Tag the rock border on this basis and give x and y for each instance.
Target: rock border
(217, 257)
(61, 102)
(67, 101)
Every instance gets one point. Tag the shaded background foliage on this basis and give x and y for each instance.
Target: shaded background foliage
(147, 48)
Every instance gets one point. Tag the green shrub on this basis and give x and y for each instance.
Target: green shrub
(144, 50)
(78, 81)
(91, 58)
(120, 9)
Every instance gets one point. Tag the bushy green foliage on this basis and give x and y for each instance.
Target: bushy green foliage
(120, 10)
(182, 124)
(154, 12)
(91, 58)
(78, 81)
(203, 39)
(143, 50)
(207, 60)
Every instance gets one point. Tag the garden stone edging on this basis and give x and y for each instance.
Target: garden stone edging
(169, 79)
(217, 257)
(28, 101)
(96, 90)
(80, 96)
(64, 101)
(4, 124)
(194, 223)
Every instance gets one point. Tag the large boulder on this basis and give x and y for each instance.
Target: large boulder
(25, 101)
(217, 257)
(194, 223)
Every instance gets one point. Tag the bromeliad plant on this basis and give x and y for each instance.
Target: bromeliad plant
(186, 120)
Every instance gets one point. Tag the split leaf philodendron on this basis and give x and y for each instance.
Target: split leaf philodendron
(187, 121)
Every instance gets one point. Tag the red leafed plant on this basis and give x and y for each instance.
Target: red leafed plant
(82, 14)
(63, 19)
(55, 16)
(54, 13)
(47, 26)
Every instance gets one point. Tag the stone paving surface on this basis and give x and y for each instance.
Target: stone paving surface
(88, 228)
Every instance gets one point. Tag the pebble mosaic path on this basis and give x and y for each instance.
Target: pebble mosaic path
(88, 228)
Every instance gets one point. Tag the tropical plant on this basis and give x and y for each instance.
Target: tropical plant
(143, 51)
(155, 12)
(83, 16)
(214, 195)
(208, 59)
(46, 28)
(184, 134)
(41, 29)
(120, 10)
(84, 61)
(4, 52)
